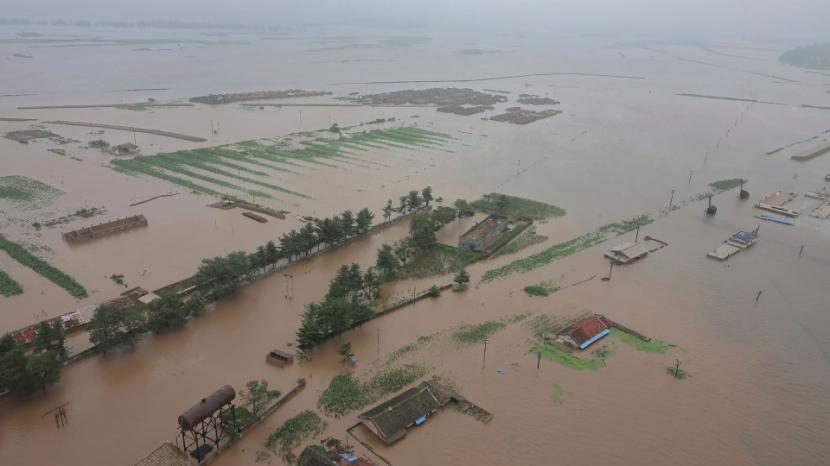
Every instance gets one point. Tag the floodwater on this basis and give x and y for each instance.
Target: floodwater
(760, 371)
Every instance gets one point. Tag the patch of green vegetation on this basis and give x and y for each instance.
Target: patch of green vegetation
(677, 373)
(26, 192)
(542, 289)
(346, 392)
(99, 144)
(439, 260)
(43, 268)
(57, 151)
(26, 135)
(652, 346)
(556, 352)
(516, 207)
(469, 334)
(625, 226)
(550, 254)
(528, 238)
(8, 286)
(252, 162)
(725, 185)
(296, 430)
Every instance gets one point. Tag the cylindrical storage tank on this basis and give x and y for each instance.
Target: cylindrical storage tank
(206, 407)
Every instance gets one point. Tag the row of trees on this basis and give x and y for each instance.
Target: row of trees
(325, 232)
(346, 303)
(23, 372)
(112, 326)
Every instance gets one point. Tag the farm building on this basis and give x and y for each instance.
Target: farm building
(627, 252)
(127, 148)
(315, 455)
(390, 420)
(584, 332)
(483, 233)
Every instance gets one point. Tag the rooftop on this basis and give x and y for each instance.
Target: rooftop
(586, 328)
(391, 418)
(484, 227)
(166, 455)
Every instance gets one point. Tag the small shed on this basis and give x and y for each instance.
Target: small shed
(626, 252)
(583, 332)
(483, 233)
(391, 419)
(127, 148)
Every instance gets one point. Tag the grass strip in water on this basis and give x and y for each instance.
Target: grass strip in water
(8, 286)
(725, 185)
(516, 207)
(43, 268)
(556, 352)
(652, 346)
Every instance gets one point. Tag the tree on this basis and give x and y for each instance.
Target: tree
(387, 210)
(7, 343)
(501, 204)
(272, 254)
(404, 204)
(50, 337)
(434, 291)
(345, 350)
(463, 208)
(386, 262)
(225, 274)
(348, 224)
(424, 238)
(42, 370)
(307, 238)
(401, 248)
(426, 195)
(167, 313)
(13, 370)
(413, 200)
(461, 279)
(371, 285)
(257, 396)
(442, 216)
(195, 306)
(364, 220)
(111, 326)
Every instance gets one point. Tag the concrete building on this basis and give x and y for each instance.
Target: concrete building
(482, 234)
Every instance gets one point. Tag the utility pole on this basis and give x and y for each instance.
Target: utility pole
(758, 296)
(636, 235)
(378, 342)
(690, 176)
(538, 359)
(672, 198)
(289, 286)
(677, 368)
(484, 359)
(801, 250)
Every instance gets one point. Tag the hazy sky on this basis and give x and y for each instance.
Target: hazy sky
(785, 18)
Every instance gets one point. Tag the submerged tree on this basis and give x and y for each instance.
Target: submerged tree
(364, 220)
(257, 396)
(112, 326)
(167, 313)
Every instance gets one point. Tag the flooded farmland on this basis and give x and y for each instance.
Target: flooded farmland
(751, 331)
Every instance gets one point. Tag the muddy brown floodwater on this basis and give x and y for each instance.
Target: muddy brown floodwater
(759, 391)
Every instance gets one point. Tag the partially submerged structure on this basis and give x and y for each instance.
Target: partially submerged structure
(206, 424)
(584, 332)
(735, 244)
(626, 253)
(279, 358)
(483, 233)
(391, 419)
(125, 149)
(166, 455)
(316, 455)
(774, 203)
(104, 229)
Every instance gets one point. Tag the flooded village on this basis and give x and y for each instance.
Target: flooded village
(352, 245)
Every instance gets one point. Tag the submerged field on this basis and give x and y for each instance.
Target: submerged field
(245, 167)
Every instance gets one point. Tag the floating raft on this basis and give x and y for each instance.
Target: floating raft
(104, 229)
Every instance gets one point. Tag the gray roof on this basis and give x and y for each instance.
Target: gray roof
(392, 417)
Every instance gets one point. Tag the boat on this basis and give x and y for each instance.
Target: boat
(772, 218)
(279, 358)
